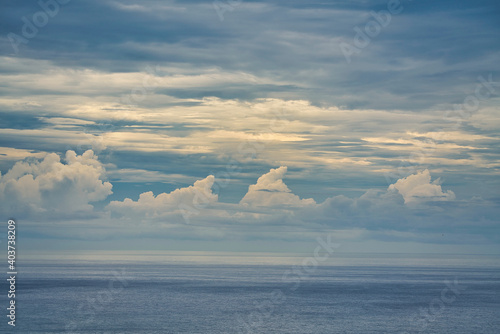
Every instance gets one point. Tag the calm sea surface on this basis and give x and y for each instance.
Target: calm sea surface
(256, 293)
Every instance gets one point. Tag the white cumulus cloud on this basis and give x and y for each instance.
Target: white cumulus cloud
(271, 191)
(54, 187)
(418, 187)
(199, 195)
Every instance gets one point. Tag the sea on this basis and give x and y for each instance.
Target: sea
(217, 292)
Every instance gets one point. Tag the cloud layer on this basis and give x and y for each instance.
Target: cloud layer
(402, 142)
(58, 191)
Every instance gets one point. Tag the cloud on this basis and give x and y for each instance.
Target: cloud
(269, 203)
(418, 188)
(51, 188)
(217, 87)
(271, 191)
(144, 176)
(307, 39)
(54, 188)
(10, 153)
(148, 205)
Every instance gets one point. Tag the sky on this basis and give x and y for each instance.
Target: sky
(240, 125)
